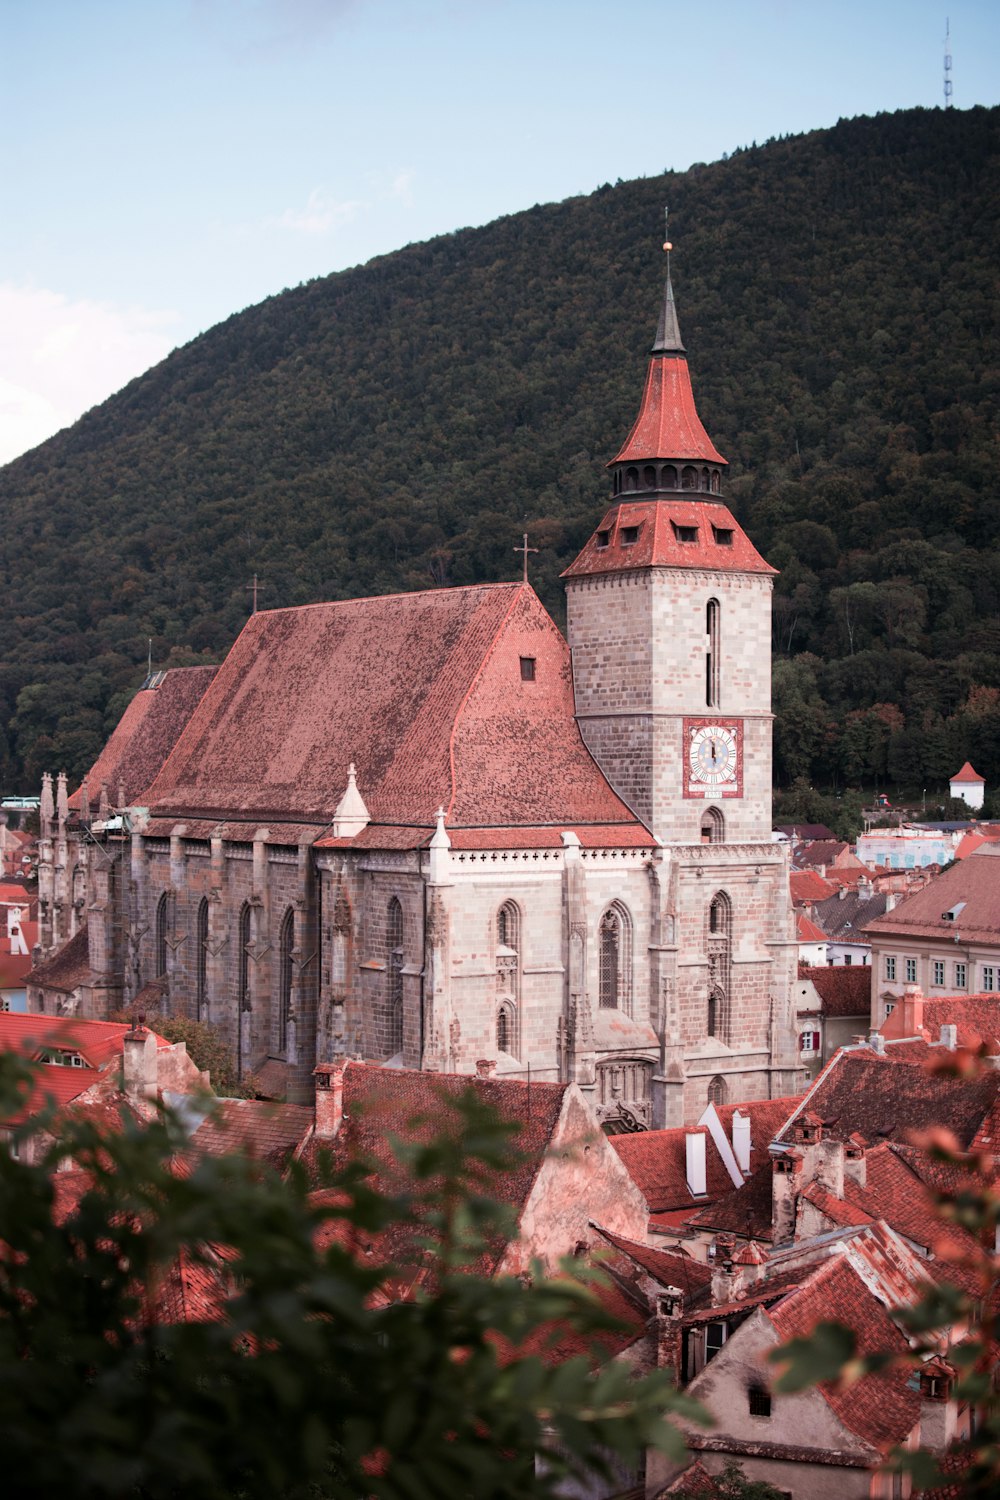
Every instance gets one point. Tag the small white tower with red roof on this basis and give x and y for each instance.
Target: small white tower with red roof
(969, 787)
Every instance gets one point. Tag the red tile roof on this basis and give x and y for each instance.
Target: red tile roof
(68, 967)
(880, 1409)
(861, 1092)
(423, 692)
(656, 1160)
(843, 989)
(268, 1132)
(745, 1210)
(144, 736)
(967, 774)
(380, 1104)
(807, 930)
(668, 425)
(658, 544)
(974, 881)
(809, 886)
(97, 1042)
(668, 1267)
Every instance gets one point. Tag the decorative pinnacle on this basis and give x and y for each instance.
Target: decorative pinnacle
(668, 333)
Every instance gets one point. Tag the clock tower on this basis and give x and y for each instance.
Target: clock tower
(669, 624)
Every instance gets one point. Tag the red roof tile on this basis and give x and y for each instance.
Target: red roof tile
(807, 930)
(98, 1043)
(974, 881)
(880, 1409)
(967, 774)
(668, 425)
(861, 1092)
(658, 544)
(68, 967)
(268, 1132)
(843, 989)
(808, 886)
(144, 737)
(668, 1267)
(380, 1104)
(423, 692)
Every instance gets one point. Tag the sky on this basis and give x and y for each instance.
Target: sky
(166, 163)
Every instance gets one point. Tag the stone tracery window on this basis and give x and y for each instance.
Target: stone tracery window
(713, 826)
(394, 976)
(718, 947)
(615, 959)
(508, 980)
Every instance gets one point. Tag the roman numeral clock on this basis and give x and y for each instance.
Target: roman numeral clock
(713, 758)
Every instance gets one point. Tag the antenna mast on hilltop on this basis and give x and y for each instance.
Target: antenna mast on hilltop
(947, 64)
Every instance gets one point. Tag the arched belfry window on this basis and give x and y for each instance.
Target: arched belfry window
(201, 961)
(161, 935)
(508, 981)
(394, 977)
(717, 1090)
(713, 826)
(712, 673)
(286, 941)
(720, 915)
(615, 959)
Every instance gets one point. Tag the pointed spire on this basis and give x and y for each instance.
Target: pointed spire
(352, 815)
(668, 333)
(440, 856)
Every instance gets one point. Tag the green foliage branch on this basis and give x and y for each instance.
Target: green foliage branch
(319, 1380)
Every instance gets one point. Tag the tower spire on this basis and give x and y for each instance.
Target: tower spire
(668, 333)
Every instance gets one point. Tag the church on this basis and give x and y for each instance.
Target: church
(427, 830)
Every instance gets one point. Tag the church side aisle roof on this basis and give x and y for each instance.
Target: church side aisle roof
(424, 692)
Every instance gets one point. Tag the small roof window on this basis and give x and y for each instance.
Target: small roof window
(629, 535)
(723, 535)
(527, 669)
(604, 538)
(685, 533)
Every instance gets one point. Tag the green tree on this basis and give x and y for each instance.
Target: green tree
(317, 1379)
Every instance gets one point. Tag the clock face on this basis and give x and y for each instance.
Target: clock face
(713, 758)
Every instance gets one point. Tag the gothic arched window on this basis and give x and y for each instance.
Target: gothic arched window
(668, 478)
(716, 1007)
(717, 1090)
(394, 976)
(201, 960)
(161, 936)
(720, 915)
(508, 972)
(286, 942)
(615, 959)
(243, 967)
(718, 945)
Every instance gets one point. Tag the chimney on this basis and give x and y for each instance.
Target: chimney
(751, 1261)
(666, 1329)
(329, 1101)
(742, 1142)
(876, 1042)
(694, 1141)
(485, 1067)
(891, 897)
(912, 1006)
(139, 1066)
(727, 1276)
(949, 1037)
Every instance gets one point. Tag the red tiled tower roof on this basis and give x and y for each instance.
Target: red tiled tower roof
(667, 481)
(668, 425)
(968, 774)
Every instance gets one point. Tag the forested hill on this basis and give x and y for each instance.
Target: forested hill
(399, 425)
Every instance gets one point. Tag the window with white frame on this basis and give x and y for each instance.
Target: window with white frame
(890, 966)
(810, 1041)
(989, 977)
(911, 971)
(960, 972)
(939, 971)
